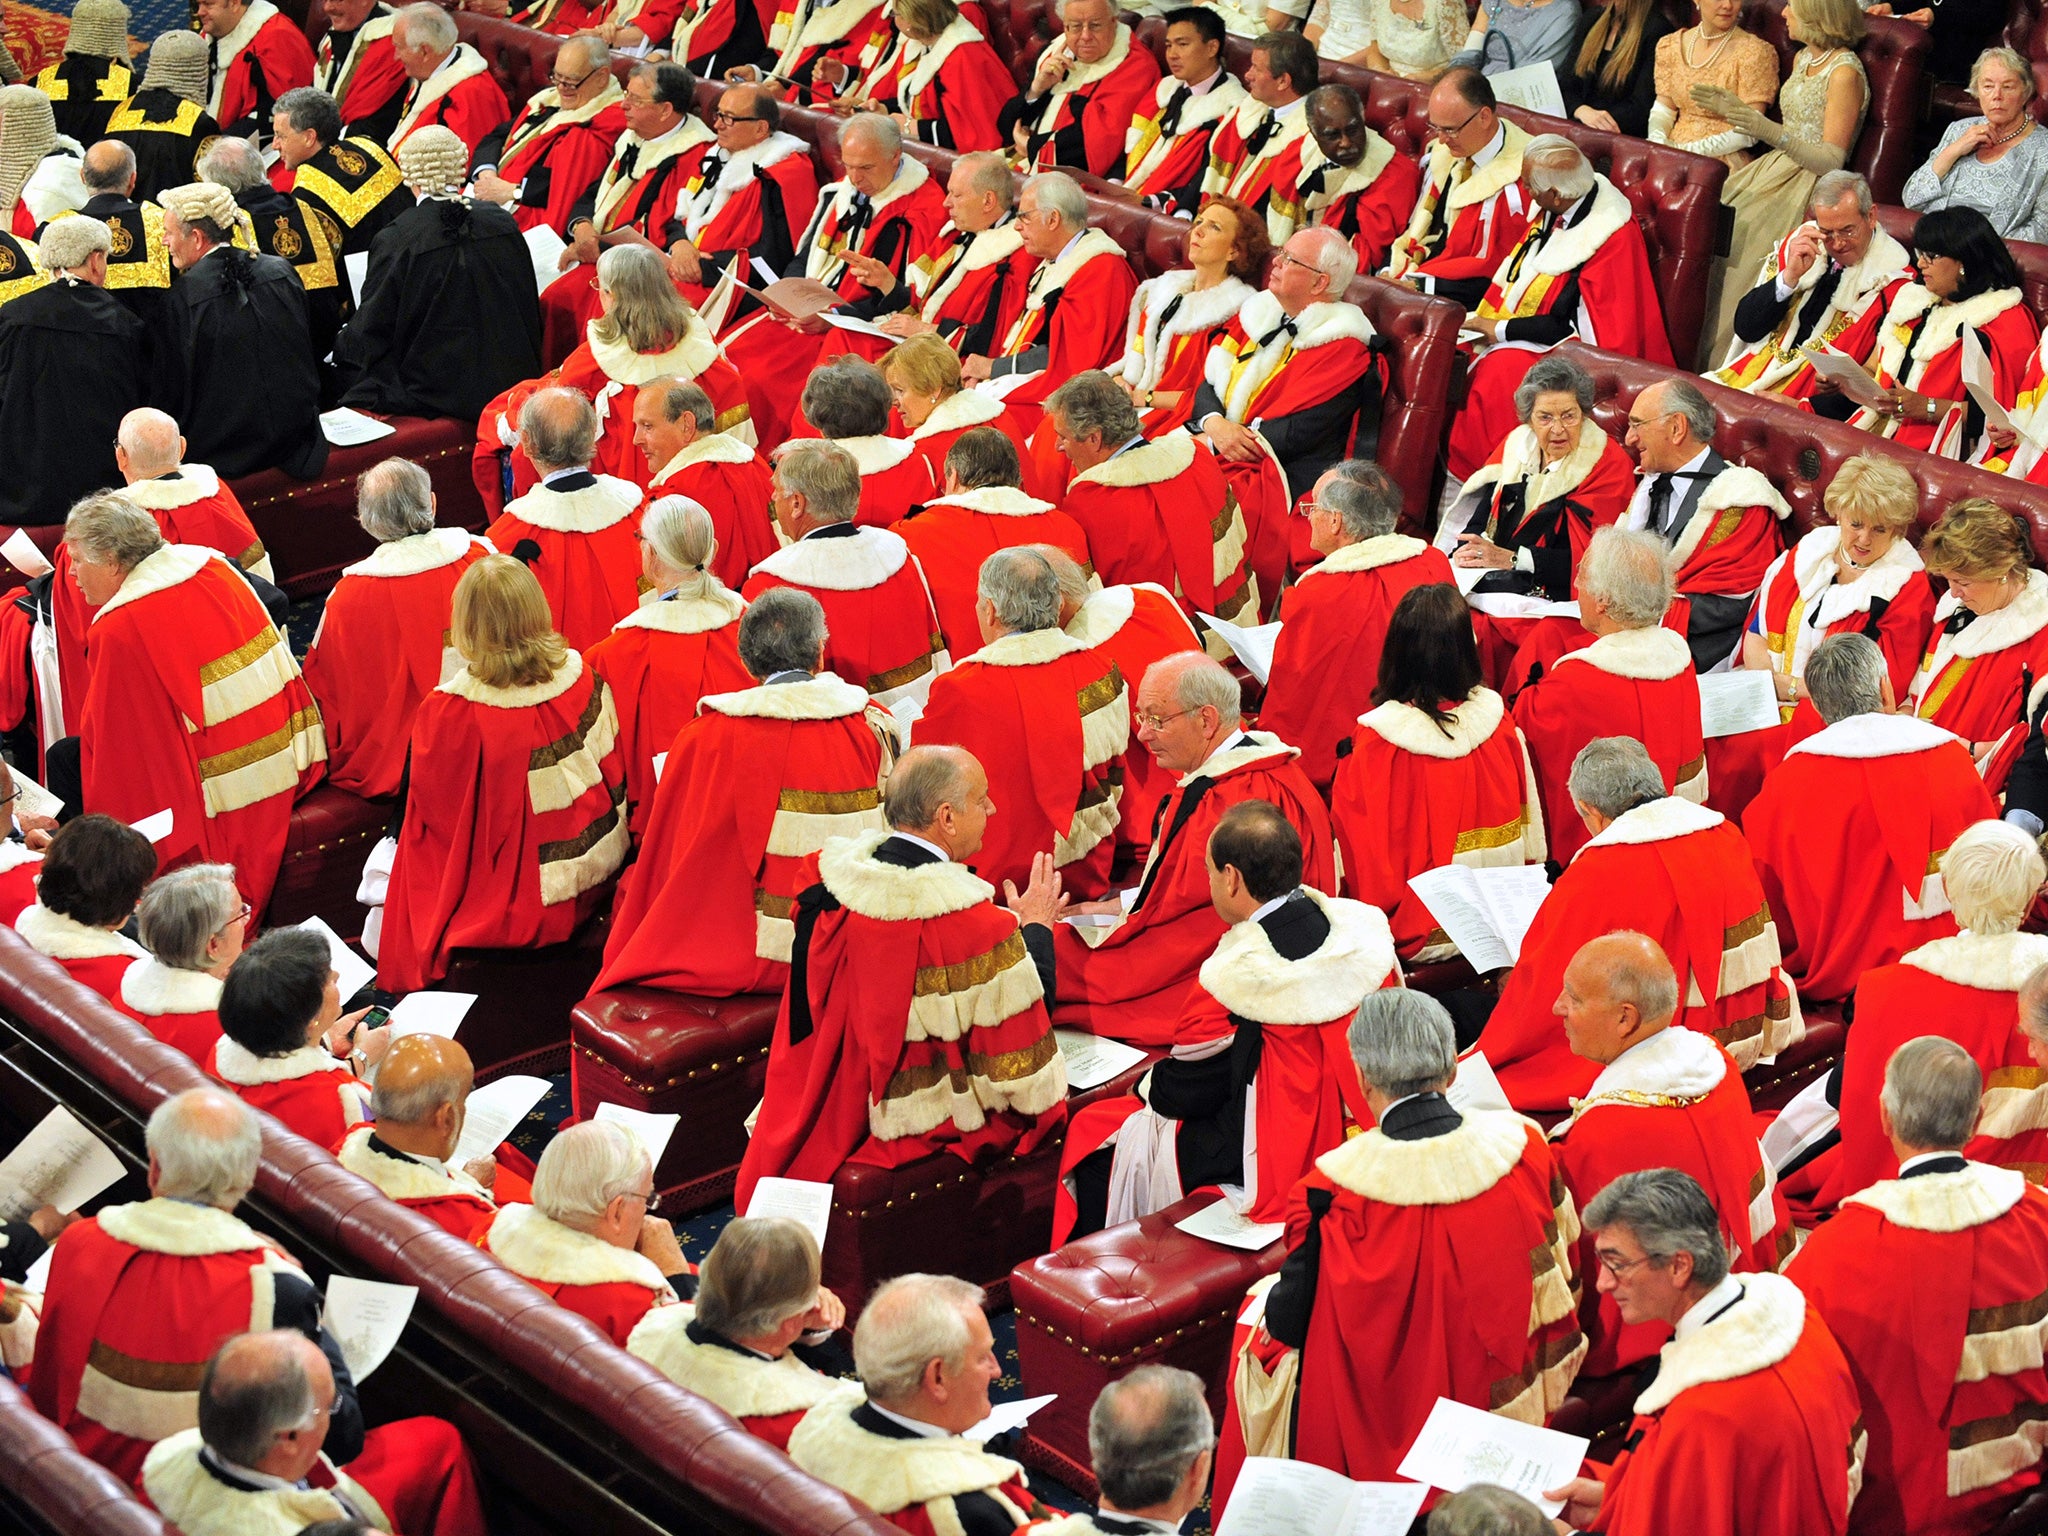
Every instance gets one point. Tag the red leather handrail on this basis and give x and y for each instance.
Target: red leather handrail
(41, 1469)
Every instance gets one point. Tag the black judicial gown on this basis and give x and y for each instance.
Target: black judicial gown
(73, 361)
(245, 378)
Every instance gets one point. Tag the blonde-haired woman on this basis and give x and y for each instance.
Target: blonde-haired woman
(923, 375)
(943, 82)
(681, 643)
(1971, 678)
(1715, 52)
(515, 814)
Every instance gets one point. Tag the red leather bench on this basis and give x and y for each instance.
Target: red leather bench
(332, 833)
(47, 1483)
(524, 997)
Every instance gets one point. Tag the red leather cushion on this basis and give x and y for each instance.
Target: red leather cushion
(332, 833)
(520, 57)
(73, 1495)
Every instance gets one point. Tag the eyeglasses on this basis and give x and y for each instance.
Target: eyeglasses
(651, 1202)
(1619, 1269)
(1452, 133)
(723, 116)
(241, 916)
(1160, 722)
(1289, 259)
(569, 85)
(1637, 423)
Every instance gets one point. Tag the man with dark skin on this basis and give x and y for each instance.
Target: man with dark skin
(1351, 179)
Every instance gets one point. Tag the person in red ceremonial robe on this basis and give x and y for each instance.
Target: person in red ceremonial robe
(759, 780)
(1581, 269)
(1086, 91)
(751, 194)
(1456, 1228)
(259, 1462)
(1752, 1426)
(1155, 510)
(1666, 1097)
(1352, 180)
(950, 85)
(1075, 306)
(1166, 148)
(1635, 679)
(140, 1295)
(710, 36)
(1926, 1282)
(923, 375)
(590, 1240)
(194, 923)
(255, 53)
(194, 704)
(517, 755)
(1849, 832)
(814, 51)
(1262, 1036)
(926, 1360)
(1986, 668)
(1326, 660)
(968, 289)
(416, 1113)
(2011, 1130)
(1471, 209)
(680, 644)
(1434, 774)
(1047, 717)
(285, 1045)
(691, 458)
(1281, 392)
(577, 531)
(1968, 284)
(873, 1061)
(1255, 156)
(92, 874)
(356, 66)
(1129, 980)
(758, 1299)
(848, 402)
(381, 644)
(1179, 315)
(450, 83)
(982, 511)
(883, 634)
(1664, 867)
(559, 144)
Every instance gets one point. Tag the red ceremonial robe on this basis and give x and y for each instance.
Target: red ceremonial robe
(586, 552)
(1158, 163)
(1848, 835)
(1080, 124)
(1160, 514)
(730, 480)
(514, 825)
(1971, 681)
(951, 536)
(1633, 682)
(1674, 1100)
(1413, 796)
(912, 1481)
(880, 630)
(1130, 981)
(1775, 364)
(382, 646)
(1075, 307)
(1750, 1429)
(139, 1298)
(1367, 203)
(894, 477)
(1164, 354)
(1466, 217)
(758, 781)
(1920, 347)
(96, 958)
(971, 287)
(18, 871)
(659, 660)
(1724, 558)
(196, 706)
(1263, 179)
(446, 1195)
(461, 96)
(1681, 874)
(1462, 1243)
(615, 1288)
(952, 419)
(953, 91)
(768, 1397)
(1134, 626)
(264, 56)
(1049, 722)
(180, 1007)
(315, 1095)
(804, 32)
(1332, 626)
(557, 153)
(1928, 1285)
(913, 1022)
(368, 78)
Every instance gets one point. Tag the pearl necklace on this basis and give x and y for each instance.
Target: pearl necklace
(1713, 53)
(2025, 124)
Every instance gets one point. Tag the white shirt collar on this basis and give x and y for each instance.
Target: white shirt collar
(916, 1426)
(1203, 89)
(1274, 905)
(1922, 1157)
(1164, 1527)
(1293, 109)
(1068, 249)
(663, 138)
(1493, 147)
(250, 1475)
(578, 469)
(1624, 1056)
(1690, 465)
(1707, 1306)
(447, 59)
(912, 837)
(1235, 739)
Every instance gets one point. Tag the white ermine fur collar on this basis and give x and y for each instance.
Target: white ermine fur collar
(887, 894)
(237, 1064)
(1660, 821)
(1472, 724)
(1259, 747)
(958, 411)
(1080, 75)
(925, 64)
(1145, 338)
(525, 131)
(150, 987)
(1247, 975)
(2019, 620)
(1945, 1202)
(1944, 325)
(744, 1386)
(463, 686)
(836, 201)
(1521, 463)
(876, 455)
(1565, 250)
(66, 938)
(1674, 1063)
(229, 48)
(1152, 462)
(178, 1228)
(843, 564)
(1874, 736)
(1989, 962)
(711, 448)
(537, 1247)
(1052, 277)
(690, 356)
(1756, 1333)
(824, 697)
(590, 510)
(889, 1475)
(1652, 655)
(1238, 381)
(995, 501)
(1366, 555)
(415, 554)
(1438, 1170)
(1813, 566)
(1736, 486)
(1028, 648)
(179, 1484)
(695, 614)
(1102, 614)
(1343, 180)
(195, 482)
(989, 248)
(402, 1178)
(169, 566)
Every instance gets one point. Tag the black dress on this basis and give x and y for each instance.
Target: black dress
(1629, 107)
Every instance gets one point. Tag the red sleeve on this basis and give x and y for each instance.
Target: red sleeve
(1088, 327)
(150, 766)
(972, 89)
(1621, 297)
(1115, 102)
(1902, 632)
(473, 109)
(286, 56)
(378, 77)
(443, 824)
(575, 163)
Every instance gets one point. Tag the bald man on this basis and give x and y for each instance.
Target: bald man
(417, 1114)
(1666, 1097)
(915, 1016)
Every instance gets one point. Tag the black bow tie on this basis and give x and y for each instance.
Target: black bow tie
(863, 210)
(1261, 136)
(629, 157)
(1169, 120)
(1288, 328)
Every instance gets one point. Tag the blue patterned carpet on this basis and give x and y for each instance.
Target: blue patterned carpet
(35, 33)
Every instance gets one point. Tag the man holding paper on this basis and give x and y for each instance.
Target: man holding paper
(1674, 871)
(540, 164)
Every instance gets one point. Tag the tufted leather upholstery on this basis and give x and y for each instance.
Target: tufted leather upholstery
(45, 1480)
(686, 1447)
(520, 1020)
(704, 1058)
(332, 833)
(1894, 55)
(2032, 259)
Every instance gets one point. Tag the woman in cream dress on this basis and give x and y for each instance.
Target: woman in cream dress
(1718, 53)
(1415, 38)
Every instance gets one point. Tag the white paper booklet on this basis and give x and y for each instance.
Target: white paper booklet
(492, 1114)
(1533, 87)
(1977, 380)
(60, 1163)
(1220, 1222)
(31, 799)
(546, 248)
(357, 265)
(1004, 1417)
(348, 429)
(1475, 1086)
(351, 971)
(20, 551)
(1253, 643)
(1486, 912)
(366, 1318)
(1297, 1498)
(1740, 700)
(1092, 1060)
(157, 825)
(430, 1013)
(1844, 372)
(653, 1130)
(1461, 1445)
(807, 1203)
